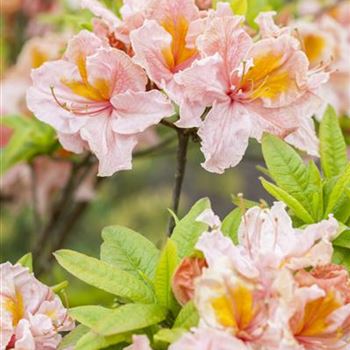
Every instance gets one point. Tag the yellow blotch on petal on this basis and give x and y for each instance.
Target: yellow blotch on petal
(38, 58)
(98, 91)
(267, 78)
(15, 307)
(316, 313)
(314, 46)
(177, 53)
(236, 308)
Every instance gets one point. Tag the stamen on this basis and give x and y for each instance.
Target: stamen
(62, 105)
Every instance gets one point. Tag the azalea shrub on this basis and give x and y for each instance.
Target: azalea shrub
(102, 83)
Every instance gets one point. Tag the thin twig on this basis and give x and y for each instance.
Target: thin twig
(183, 138)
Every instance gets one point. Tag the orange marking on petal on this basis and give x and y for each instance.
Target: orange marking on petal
(267, 78)
(315, 321)
(314, 45)
(15, 307)
(178, 53)
(38, 58)
(236, 309)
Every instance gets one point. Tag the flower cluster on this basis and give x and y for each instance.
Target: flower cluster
(276, 289)
(113, 84)
(31, 314)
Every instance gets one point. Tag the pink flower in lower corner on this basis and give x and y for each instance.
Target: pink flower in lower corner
(31, 314)
(95, 98)
(252, 88)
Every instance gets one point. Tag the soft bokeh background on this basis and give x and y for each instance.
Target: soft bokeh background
(137, 199)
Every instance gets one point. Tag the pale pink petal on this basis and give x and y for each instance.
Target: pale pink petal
(136, 111)
(41, 102)
(148, 43)
(267, 26)
(83, 44)
(101, 11)
(224, 134)
(139, 342)
(72, 142)
(208, 217)
(226, 37)
(114, 151)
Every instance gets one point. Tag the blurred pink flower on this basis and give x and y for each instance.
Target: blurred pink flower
(183, 280)
(95, 98)
(31, 314)
(252, 88)
(208, 339)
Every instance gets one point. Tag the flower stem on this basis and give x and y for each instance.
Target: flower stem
(183, 139)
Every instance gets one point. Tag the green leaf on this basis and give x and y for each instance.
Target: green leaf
(287, 169)
(89, 315)
(129, 251)
(130, 317)
(290, 201)
(338, 190)
(231, 224)
(26, 261)
(169, 336)
(188, 317)
(166, 267)
(30, 137)
(93, 341)
(341, 256)
(71, 339)
(104, 276)
(316, 188)
(188, 230)
(332, 144)
(343, 240)
(254, 8)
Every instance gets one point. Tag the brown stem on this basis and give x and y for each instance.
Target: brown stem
(183, 138)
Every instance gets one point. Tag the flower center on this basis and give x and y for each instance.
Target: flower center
(266, 78)
(99, 91)
(177, 53)
(314, 45)
(235, 309)
(315, 320)
(15, 307)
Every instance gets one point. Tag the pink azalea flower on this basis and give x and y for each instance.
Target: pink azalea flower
(95, 98)
(270, 240)
(164, 45)
(208, 339)
(252, 88)
(319, 319)
(31, 314)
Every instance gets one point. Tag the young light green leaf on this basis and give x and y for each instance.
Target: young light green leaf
(71, 339)
(290, 201)
(93, 341)
(169, 336)
(341, 256)
(338, 190)
(130, 317)
(316, 188)
(343, 240)
(104, 276)
(287, 169)
(332, 144)
(129, 251)
(188, 229)
(231, 224)
(166, 267)
(188, 317)
(90, 315)
(26, 261)
(30, 137)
